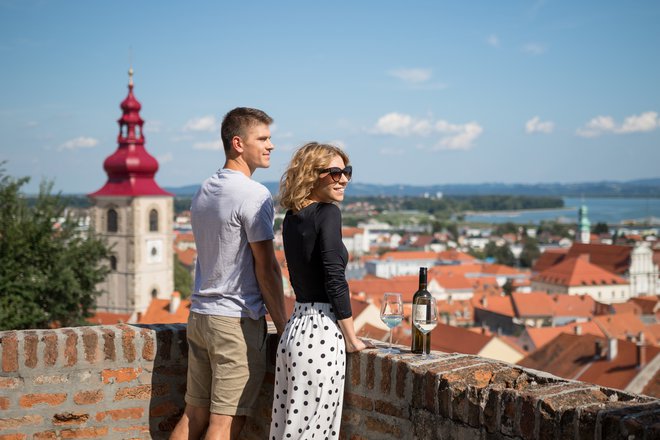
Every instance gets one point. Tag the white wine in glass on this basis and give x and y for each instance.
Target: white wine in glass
(425, 318)
(391, 313)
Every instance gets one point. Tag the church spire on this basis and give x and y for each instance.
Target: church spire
(130, 168)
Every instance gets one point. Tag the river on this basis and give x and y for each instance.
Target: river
(612, 211)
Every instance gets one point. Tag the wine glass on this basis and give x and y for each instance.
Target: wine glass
(391, 312)
(425, 318)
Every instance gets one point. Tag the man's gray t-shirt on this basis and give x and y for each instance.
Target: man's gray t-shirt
(229, 212)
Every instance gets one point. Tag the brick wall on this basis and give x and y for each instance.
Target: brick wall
(120, 382)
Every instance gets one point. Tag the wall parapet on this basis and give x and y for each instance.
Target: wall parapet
(125, 381)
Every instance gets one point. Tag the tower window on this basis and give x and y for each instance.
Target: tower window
(113, 263)
(154, 293)
(112, 221)
(153, 220)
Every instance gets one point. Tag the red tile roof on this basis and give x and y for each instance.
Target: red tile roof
(496, 304)
(453, 282)
(454, 255)
(186, 256)
(349, 231)
(624, 325)
(158, 312)
(549, 258)
(612, 258)
(542, 335)
(572, 357)
(573, 305)
(184, 237)
(532, 304)
(574, 272)
(457, 340)
(107, 318)
(371, 332)
(376, 287)
(409, 255)
(648, 304)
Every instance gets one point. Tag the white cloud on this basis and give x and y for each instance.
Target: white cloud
(600, 125)
(645, 122)
(493, 40)
(79, 142)
(164, 158)
(338, 143)
(213, 145)
(205, 123)
(452, 136)
(535, 125)
(534, 48)
(412, 76)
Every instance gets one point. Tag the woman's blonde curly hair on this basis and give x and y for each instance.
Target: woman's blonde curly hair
(300, 176)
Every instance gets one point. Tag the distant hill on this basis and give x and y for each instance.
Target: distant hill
(631, 188)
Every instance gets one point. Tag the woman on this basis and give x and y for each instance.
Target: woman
(311, 355)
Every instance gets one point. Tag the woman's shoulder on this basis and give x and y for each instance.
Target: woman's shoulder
(327, 209)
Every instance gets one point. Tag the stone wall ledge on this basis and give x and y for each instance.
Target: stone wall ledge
(127, 381)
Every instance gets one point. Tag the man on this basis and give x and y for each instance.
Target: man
(236, 273)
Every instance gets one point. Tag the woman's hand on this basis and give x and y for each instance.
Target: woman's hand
(358, 345)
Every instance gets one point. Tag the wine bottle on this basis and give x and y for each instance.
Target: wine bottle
(418, 336)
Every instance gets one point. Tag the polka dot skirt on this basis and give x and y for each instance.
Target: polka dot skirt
(309, 376)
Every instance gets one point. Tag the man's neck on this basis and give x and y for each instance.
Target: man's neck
(238, 165)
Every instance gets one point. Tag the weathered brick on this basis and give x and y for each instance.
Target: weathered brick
(13, 437)
(382, 426)
(50, 348)
(141, 392)
(149, 345)
(109, 349)
(69, 418)
(354, 360)
(121, 414)
(50, 379)
(358, 401)
(120, 375)
(88, 397)
(45, 435)
(52, 399)
(386, 375)
(389, 409)
(165, 344)
(90, 341)
(165, 409)
(70, 347)
(402, 370)
(142, 429)
(491, 410)
(128, 342)
(18, 422)
(510, 413)
(9, 343)
(85, 432)
(30, 344)
(9, 382)
(4, 403)
(370, 373)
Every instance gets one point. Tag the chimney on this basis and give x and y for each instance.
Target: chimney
(641, 351)
(578, 330)
(612, 348)
(484, 301)
(175, 302)
(598, 352)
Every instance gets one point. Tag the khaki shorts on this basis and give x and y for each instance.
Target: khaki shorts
(226, 363)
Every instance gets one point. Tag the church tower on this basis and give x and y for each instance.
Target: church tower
(584, 225)
(135, 216)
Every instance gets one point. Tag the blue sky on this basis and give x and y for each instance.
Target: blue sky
(417, 92)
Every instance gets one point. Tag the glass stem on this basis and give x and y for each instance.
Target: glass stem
(424, 353)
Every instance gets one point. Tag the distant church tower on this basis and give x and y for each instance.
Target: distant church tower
(135, 216)
(584, 226)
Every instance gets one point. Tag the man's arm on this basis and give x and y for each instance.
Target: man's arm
(269, 278)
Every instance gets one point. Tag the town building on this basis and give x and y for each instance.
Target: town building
(134, 215)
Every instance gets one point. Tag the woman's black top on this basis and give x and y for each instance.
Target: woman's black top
(317, 257)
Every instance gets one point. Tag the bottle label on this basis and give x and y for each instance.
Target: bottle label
(419, 312)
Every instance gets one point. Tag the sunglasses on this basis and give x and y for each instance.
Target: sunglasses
(336, 172)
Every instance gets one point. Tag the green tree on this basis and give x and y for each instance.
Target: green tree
(49, 270)
(530, 252)
(501, 254)
(601, 228)
(182, 279)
